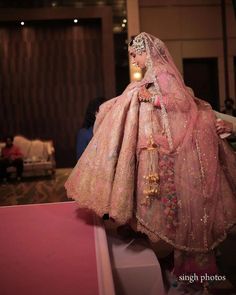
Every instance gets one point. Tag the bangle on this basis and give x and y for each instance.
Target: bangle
(152, 99)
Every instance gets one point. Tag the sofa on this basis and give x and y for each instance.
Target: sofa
(38, 157)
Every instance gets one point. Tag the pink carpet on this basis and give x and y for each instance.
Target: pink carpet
(47, 249)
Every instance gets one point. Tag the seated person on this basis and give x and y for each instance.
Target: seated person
(10, 156)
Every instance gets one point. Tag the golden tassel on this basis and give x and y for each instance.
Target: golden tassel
(152, 189)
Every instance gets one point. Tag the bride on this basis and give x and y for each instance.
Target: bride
(156, 159)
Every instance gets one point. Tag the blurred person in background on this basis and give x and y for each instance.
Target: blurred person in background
(85, 133)
(229, 107)
(11, 155)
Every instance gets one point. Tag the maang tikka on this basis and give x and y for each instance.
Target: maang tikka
(138, 44)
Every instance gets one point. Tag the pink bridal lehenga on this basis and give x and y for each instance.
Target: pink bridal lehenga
(161, 164)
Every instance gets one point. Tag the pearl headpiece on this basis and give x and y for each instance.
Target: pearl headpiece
(138, 44)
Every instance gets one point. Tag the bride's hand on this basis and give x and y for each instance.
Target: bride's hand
(144, 94)
(223, 127)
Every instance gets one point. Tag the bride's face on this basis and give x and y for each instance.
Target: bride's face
(138, 59)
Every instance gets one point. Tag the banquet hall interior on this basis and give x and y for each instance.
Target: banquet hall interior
(57, 57)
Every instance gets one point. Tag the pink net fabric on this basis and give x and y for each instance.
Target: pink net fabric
(195, 205)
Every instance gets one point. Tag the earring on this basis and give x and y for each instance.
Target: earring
(148, 62)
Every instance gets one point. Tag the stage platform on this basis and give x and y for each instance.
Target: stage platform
(58, 249)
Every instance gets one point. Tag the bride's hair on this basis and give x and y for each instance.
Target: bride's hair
(132, 40)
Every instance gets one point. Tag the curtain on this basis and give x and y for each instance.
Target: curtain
(48, 73)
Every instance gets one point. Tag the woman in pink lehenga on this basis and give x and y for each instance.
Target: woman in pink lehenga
(156, 159)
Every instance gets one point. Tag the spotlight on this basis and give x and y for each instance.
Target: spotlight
(22, 23)
(125, 20)
(123, 25)
(75, 20)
